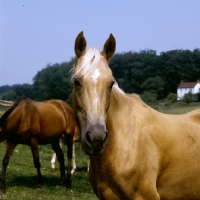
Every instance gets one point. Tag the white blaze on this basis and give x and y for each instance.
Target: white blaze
(95, 75)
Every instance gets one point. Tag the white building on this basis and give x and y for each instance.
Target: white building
(186, 87)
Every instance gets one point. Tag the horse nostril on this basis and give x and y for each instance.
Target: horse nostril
(88, 137)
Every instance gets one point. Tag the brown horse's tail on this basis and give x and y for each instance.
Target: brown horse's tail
(2, 135)
(3, 119)
(77, 134)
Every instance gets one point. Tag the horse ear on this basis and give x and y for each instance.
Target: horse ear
(109, 47)
(80, 44)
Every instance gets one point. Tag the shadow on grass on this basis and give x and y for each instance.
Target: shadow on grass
(31, 181)
(50, 179)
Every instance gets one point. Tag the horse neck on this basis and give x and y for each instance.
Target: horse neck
(123, 112)
(123, 104)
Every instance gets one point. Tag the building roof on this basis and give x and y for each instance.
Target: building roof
(187, 84)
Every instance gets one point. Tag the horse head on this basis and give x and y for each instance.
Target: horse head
(93, 81)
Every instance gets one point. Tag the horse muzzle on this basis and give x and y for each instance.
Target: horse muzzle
(96, 138)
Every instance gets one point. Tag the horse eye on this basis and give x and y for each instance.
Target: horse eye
(77, 83)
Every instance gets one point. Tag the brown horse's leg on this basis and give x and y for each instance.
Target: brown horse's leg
(60, 157)
(36, 161)
(69, 142)
(73, 160)
(9, 150)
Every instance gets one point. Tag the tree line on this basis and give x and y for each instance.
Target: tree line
(144, 73)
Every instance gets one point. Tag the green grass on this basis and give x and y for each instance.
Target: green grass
(176, 108)
(21, 176)
(180, 110)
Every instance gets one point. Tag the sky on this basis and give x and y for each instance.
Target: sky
(35, 33)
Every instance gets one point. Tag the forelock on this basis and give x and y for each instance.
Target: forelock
(89, 63)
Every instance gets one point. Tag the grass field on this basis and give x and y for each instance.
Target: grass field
(21, 176)
(175, 108)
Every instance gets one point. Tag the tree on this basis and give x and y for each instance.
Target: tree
(24, 90)
(154, 85)
(5, 88)
(135, 72)
(10, 96)
(53, 82)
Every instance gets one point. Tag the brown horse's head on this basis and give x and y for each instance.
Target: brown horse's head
(93, 82)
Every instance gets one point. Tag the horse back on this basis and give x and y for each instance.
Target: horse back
(46, 119)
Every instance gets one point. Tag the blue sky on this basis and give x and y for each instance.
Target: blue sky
(34, 33)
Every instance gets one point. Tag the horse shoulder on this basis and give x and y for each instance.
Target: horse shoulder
(68, 115)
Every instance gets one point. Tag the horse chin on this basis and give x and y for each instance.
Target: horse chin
(93, 153)
(89, 154)
(93, 150)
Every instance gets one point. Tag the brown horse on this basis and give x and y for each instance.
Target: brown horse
(135, 151)
(38, 123)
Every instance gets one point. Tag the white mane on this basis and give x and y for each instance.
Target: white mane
(117, 88)
(89, 63)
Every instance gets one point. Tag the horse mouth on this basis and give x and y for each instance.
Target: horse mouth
(89, 154)
(95, 148)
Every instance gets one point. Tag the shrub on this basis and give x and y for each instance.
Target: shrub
(172, 97)
(149, 97)
(188, 98)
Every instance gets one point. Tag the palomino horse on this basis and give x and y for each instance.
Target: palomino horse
(135, 152)
(38, 123)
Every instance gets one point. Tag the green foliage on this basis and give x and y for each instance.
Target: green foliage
(154, 85)
(196, 97)
(172, 97)
(133, 70)
(19, 90)
(5, 88)
(149, 97)
(188, 98)
(24, 90)
(53, 82)
(10, 96)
